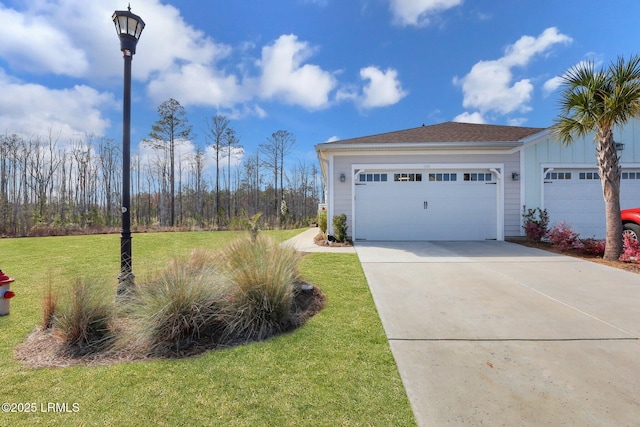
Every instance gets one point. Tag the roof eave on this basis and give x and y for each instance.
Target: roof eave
(388, 146)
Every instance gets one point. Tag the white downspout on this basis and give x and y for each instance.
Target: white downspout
(499, 204)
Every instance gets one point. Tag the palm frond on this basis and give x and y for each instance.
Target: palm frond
(596, 100)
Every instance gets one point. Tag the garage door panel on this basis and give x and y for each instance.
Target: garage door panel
(380, 207)
(578, 200)
(426, 210)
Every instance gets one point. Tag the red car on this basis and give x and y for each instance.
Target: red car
(631, 222)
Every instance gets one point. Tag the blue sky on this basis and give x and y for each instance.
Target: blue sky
(321, 69)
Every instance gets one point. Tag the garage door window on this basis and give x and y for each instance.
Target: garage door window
(407, 177)
(478, 177)
(630, 175)
(562, 175)
(446, 177)
(589, 175)
(373, 177)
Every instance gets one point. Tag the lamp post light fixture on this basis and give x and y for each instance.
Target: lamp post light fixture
(129, 27)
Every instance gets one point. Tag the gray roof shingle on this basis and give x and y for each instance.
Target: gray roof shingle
(447, 132)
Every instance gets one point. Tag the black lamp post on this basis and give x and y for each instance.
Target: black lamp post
(129, 27)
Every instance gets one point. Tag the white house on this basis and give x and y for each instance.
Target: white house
(462, 181)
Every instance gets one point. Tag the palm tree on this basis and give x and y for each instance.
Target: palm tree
(596, 101)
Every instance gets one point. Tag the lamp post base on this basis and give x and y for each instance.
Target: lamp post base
(126, 280)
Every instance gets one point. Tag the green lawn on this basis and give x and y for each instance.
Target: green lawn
(336, 370)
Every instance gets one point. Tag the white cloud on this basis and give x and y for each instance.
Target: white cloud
(551, 85)
(382, 89)
(76, 38)
(517, 121)
(321, 3)
(285, 76)
(333, 139)
(38, 38)
(489, 86)
(418, 12)
(30, 109)
(467, 117)
(172, 42)
(197, 84)
(34, 44)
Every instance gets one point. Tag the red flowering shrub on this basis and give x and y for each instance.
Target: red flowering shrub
(630, 249)
(563, 237)
(536, 222)
(591, 246)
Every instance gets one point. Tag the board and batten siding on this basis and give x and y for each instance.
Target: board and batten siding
(342, 197)
(582, 152)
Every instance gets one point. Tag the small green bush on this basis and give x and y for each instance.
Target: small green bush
(263, 274)
(85, 321)
(340, 227)
(322, 221)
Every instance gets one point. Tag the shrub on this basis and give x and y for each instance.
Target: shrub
(178, 309)
(322, 222)
(630, 249)
(254, 226)
(340, 227)
(591, 246)
(263, 274)
(49, 306)
(562, 237)
(84, 323)
(536, 223)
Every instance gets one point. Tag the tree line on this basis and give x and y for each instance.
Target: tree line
(53, 187)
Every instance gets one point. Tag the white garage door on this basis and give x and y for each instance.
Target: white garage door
(426, 205)
(574, 196)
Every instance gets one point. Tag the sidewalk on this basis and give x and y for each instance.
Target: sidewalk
(304, 242)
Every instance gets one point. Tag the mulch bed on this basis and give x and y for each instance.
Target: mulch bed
(320, 240)
(627, 266)
(43, 348)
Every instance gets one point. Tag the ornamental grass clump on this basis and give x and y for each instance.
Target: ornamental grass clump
(181, 308)
(263, 275)
(84, 321)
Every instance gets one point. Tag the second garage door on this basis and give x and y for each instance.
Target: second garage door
(426, 205)
(574, 196)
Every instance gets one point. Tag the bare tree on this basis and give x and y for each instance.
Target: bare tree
(171, 127)
(217, 133)
(54, 185)
(277, 147)
(232, 148)
(108, 155)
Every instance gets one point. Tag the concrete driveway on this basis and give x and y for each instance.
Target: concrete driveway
(495, 333)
